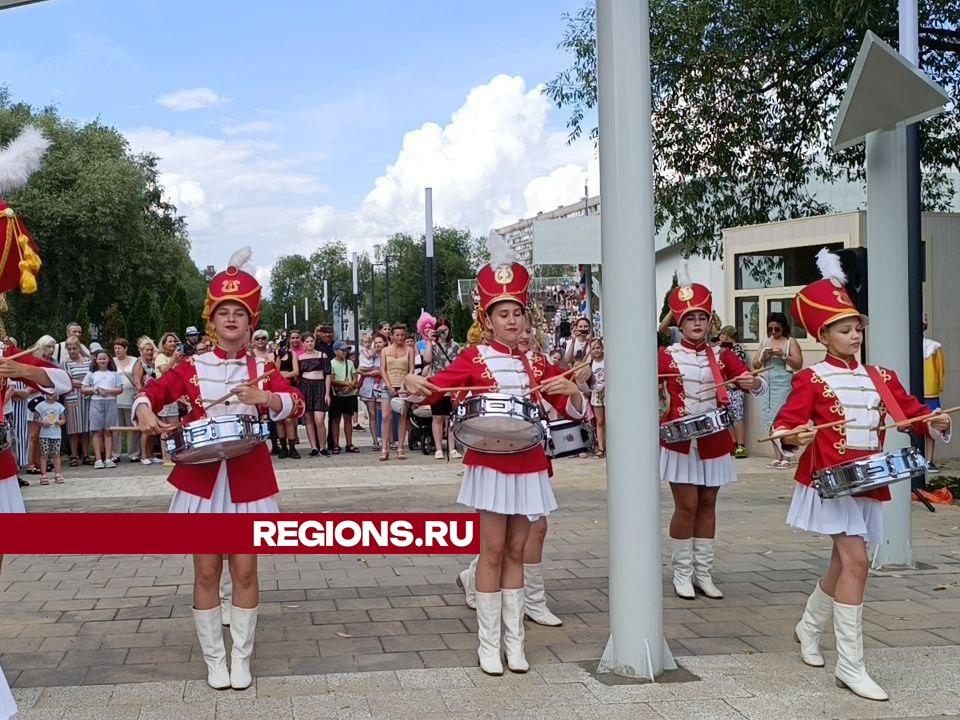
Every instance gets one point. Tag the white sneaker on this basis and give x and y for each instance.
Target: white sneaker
(109, 464)
(438, 455)
(146, 461)
(98, 465)
(156, 461)
(454, 455)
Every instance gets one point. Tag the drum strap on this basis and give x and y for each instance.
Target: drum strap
(889, 401)
(723, 398)
(252, 373)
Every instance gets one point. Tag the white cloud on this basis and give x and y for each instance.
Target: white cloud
(480, 166)
(249, 128)
(562, 186)
(191, 99)
(232, 192)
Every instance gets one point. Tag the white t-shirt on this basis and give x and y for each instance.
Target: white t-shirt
(104, 380)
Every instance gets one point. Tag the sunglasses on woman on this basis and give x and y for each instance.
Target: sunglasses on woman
(774, 328)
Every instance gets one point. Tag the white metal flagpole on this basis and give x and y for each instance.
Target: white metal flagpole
(326, 301)
(294, 314)
(636, 647)
(306, 311)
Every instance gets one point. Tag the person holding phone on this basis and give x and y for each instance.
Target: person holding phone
(578, 346)
(782, 353)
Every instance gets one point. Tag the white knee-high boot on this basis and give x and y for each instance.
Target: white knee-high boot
(489, 610)
(535, 597)
(513, 631)
(226, 594)
(467, 581)
(683, 568)
(816, 616)
(210, 634)
(851, 671)
(243, 628)
(703, 568)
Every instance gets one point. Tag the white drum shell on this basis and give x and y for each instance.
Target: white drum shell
(700, 425)
(869, 473)
(212, 439)
(498, 423)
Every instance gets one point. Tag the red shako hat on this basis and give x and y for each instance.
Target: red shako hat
(688, 296)
(236, 284)
(825, 301)
(503, 278)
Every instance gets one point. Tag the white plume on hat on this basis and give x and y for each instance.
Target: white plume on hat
(500, 253)
(829, 266)
(21, 158)
(683, 274)
(240, 258)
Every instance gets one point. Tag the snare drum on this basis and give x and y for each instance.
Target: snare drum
(869, 473)
(212, 439)
(498, 423)
(696, 426)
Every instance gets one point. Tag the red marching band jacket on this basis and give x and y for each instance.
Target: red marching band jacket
(835, 390)
(496, 364)
(60, 384)
(206, 377)
(690, 393)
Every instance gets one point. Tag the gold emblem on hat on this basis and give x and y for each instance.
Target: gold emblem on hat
(503, 275)
(686, 293)
(230, 286)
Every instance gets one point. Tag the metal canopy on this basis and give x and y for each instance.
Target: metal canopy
(884, 89)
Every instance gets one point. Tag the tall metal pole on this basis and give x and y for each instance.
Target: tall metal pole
(386, 269)
(588, 269)
(887, 226)
(356, 303)
(373, 295)
(908, 48)
(294, 314)
(326, 296)
(306, 311)
(636, 647)
(428, 242)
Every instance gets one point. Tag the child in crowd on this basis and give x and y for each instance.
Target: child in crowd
(598, 389)
(52, 416)
(102, 384)
(344, 403)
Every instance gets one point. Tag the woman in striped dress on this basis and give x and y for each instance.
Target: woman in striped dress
(78, 409)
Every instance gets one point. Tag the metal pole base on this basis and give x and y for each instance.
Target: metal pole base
(609, 665)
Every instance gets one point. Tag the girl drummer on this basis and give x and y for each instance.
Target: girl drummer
(841, 389)
(245, 483)
(697, 468)
(535, 598)
(510, 490)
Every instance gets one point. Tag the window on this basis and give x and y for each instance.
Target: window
(784, 267)
(748, 319)
(782, 305)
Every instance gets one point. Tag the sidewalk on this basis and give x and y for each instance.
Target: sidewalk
(117, 628)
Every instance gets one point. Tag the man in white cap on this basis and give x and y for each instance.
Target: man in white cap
(193, 337)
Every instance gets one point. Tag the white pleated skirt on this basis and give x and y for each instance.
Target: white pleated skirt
(847, 515)
(691, 469)
(220, 501)
(529, 494)
(11, 500)
(8, 707)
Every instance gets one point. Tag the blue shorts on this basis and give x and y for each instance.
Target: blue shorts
(932, 403)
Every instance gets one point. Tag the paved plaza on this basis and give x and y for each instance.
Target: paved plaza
(389, 636)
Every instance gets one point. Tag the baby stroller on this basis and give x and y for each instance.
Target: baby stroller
(420, 436)
(421, 430)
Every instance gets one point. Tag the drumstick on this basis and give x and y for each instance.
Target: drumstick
(124, 428)
(572, 371)
(237, 389)
(822, 426)
(923, 418)
(734, 380)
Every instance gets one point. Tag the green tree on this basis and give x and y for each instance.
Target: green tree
(142, 318)
(744, 97)
(170, 316)
(113, 326)
(103, 229)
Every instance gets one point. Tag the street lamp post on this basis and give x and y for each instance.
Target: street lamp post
(356, 303)
(428, 243)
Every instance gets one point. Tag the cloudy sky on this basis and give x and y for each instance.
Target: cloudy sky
(284, 125)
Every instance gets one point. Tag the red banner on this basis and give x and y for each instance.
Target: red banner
(282, 533)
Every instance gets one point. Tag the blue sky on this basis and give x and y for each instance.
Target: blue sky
(309, 121)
